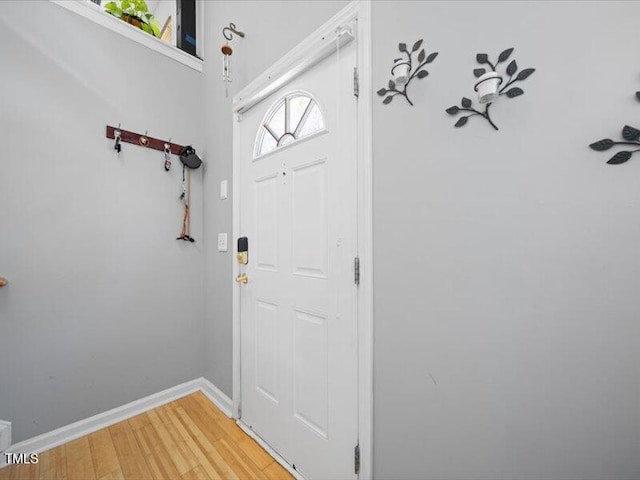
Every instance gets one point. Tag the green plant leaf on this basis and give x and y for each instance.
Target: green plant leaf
(113, 9)
(125, 5)
(155, 29)
(141, 5)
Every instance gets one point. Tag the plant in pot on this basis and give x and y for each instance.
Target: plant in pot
(136, 13)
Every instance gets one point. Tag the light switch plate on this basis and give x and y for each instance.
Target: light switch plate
(222, 242)
(223, 190)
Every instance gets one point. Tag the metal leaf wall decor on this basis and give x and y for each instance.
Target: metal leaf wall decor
(631, 137)
(416, 59)
(466, 104)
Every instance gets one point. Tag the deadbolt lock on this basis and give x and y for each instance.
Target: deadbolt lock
(243, 257)
(243, 251)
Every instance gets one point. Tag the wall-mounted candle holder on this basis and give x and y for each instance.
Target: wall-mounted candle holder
(631, 137)
(491, 85)
(406, 69)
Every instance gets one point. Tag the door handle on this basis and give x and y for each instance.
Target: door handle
(242, 278)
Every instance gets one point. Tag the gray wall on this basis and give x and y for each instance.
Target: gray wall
(508, 347)
(272, 28)
(507, 314)
(104, 306)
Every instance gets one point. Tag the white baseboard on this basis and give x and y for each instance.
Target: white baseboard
(216, 395)
(89, 425)
(5, 435)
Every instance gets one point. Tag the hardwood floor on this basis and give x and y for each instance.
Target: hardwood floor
(186, 439)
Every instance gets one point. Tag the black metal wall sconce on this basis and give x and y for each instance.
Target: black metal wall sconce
(404, 70)
(489, 87)
(631, 137)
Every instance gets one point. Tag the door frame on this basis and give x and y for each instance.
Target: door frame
(303, 57)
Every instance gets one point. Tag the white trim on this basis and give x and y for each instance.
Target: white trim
(365, 242)
(279, 74)
(218, 398)
(235, 190)
(94, 13)
(200, 29)
(89, 425)
(308, 53)
(276, 456)
(5, 435)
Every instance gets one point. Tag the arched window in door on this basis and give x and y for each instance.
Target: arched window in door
(292, 117)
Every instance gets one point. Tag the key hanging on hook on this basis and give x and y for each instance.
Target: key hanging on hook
(183, 187)
(167, 156)
(117, 134)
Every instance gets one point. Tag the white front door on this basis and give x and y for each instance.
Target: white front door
(298, 311)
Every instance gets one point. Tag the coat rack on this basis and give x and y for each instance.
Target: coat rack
(141, 140)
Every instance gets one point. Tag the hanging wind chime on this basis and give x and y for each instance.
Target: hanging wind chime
(227, 51)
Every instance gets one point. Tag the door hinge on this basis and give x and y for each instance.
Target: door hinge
(356, 82)
(356, 460)
(356, 270)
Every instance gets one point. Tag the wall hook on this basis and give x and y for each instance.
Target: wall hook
(127, 136)
(230, 30)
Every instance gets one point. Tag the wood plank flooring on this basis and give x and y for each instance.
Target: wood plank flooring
(189, 439)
